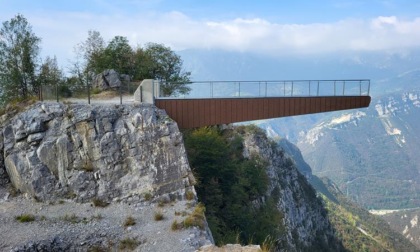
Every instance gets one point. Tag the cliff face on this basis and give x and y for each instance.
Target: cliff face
(67, 157)
(305, 218)
(83, 152)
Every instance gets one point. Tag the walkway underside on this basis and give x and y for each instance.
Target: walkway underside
(192, 113)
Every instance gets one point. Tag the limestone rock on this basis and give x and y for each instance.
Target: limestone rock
(82, 152)
(305, 218)
(109, 79)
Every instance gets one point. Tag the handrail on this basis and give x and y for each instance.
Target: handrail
(276, 88)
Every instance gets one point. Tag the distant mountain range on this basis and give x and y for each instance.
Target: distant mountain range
(371, 155)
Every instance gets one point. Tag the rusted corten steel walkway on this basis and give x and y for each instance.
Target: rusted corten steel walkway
(230, 102)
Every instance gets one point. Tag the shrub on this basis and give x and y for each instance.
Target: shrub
(71, 218)
(96, 90)
(148, 196)
(25, 218)
(196, 218)
(129, 221)
(158, 216)
(189, 195)
(176, 225)
(97, 217)
(99, 203)
(128, 243)
(88, 167)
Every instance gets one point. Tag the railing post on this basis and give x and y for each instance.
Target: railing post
(141, 94)
(360, 87)
(368, 87)
(334, 89)
(56, 91)
(284, 88)
(344, 86)
(309, 88)
(292, 90)
(153, 91)
(239, 83)
(317, 90)
(265, 89)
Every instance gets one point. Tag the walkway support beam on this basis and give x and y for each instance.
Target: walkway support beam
(192, 113)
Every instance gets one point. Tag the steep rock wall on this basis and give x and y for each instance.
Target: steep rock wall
(305, 218)
(53, 150)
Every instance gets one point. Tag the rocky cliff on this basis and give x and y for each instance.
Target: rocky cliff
(83, 152)
(131, 156)
(305, 218)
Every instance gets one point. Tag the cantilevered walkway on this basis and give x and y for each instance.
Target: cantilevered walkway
(223, 102)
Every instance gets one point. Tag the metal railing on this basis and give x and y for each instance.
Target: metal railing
(282, 88)
(87, 94)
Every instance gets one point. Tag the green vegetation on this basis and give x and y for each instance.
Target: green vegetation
(25, 218)
(176, 225)
(23, 73)
(158, 216)
(99, 203)
(154, 61)
(129, 244)
(147, 196)
(189, 195)
(19, 49)
(129, 221)
(72, 218)
(196, 218)
(228, 183)
(357, 228)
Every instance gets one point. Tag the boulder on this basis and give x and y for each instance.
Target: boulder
(109, 79)
(83, 152)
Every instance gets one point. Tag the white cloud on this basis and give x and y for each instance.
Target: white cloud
(61, 31)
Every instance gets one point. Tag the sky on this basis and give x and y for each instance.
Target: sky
(267, 27)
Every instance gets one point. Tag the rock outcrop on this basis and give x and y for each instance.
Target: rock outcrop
(109, 79)
(305, 218)
(85, 152)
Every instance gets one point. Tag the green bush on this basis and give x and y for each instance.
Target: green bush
(130, 221)
(128, 243)
(25, 218)
(228, 183)
(99, 203)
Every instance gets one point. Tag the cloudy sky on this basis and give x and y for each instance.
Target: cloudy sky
(270, 27)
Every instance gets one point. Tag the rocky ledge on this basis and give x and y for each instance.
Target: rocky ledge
(65, 160)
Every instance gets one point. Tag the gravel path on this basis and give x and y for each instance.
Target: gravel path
(83, 227)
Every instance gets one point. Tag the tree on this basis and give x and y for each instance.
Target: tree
(92, 52)
(51, 75)
(166, 66)
(119, 55)
(19, 49)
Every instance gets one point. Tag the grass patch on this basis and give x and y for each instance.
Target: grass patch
(97, 217)
(129, 221)
(98, 248)
(148, 196)
(88, 167)
(176, 225)
(72, 218)
(25, 218)
(128, 243)
(189, 195)
(99, 203)
(158, 216)
(196, 218)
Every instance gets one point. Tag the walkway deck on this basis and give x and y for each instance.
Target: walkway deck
(230, 102)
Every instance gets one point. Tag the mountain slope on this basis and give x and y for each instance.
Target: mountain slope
(358, 229)
(371, 153)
